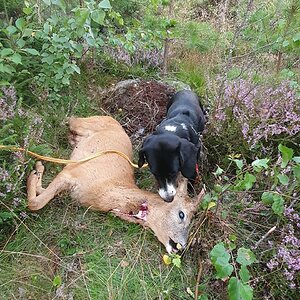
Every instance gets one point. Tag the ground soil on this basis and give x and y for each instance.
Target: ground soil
(139, 106)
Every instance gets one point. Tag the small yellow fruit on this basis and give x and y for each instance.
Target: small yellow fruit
(167, 260)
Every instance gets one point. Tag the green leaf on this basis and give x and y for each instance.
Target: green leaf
(47, 28)
(278, 204)
(11, 29)
(239, 291)
(15, 58)
(232, 237)
(90, 40)
(98, 16)
(20, 43)
(244, 274)
(218, 172)
(296, 171)
(48, 59)
(248, 181)
(267, 198)
(57, 281)
(27, 10)
(223, 268)
(283, 179)
(81, 15)
(286, 154)
(296, 159)
(7, 69)
(245, 257)
(246, 291)
(219, 251)
(233, 289)
(177, 262)
(6, 51)
(27, 32)
(60, 3)
(31, 51)
(104, 4)
(258, 164)
(239, 163)
(296, 37)
(20, 23)
(285, 43)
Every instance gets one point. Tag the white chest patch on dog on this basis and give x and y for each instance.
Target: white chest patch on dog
(184, 126)
(170, 128)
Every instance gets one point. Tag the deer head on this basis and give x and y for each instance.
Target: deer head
(171, 221)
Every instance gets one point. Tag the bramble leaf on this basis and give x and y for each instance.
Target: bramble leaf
(296, 171)
(223, 268)
(57, 281)
(239, 163)
(239, 291)
(258, 164)
(267, 197)
(219, 251)
(31, 51)
(286, 154)
(245, 257)
(278, 204)
(104, 4)
(98, 16)
(244, 274)
(283, 179)
(218, 172)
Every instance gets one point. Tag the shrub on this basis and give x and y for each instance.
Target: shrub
(258, 114)
(21, 128)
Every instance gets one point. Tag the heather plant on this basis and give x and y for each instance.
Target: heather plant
(259, 114)
(24, 129)
(273, 183)
(286, 252)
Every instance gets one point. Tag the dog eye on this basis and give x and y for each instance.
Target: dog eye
(181, 215)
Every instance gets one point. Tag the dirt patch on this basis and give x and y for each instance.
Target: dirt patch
(138, 105)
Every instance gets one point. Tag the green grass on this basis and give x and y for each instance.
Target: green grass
(97, 256)
(94, 255)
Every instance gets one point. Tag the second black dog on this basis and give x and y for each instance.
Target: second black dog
(175, 145)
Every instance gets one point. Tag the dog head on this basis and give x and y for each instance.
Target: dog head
(167, 155)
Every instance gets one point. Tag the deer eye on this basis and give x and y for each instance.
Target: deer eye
(181, 214)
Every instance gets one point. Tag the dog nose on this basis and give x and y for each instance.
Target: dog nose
(169, 198)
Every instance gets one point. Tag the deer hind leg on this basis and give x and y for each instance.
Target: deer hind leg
(37, 196)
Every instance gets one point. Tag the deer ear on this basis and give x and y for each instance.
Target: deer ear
(188, 159)
(197, 199)
(182, 184)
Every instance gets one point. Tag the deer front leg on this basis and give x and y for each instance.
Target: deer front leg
(34, 188)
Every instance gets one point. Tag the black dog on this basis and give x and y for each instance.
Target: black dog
(175, 145)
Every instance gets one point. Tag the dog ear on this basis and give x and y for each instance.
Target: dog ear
(188, 159)
(142, 158)
(143, 151)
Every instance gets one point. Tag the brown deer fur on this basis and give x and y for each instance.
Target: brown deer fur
(107, 183)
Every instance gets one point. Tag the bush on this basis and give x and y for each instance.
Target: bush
(20, 128)
(257, 116)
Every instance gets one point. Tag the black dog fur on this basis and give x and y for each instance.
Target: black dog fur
(175, 145)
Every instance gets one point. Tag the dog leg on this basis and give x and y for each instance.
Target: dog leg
(34, 187)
